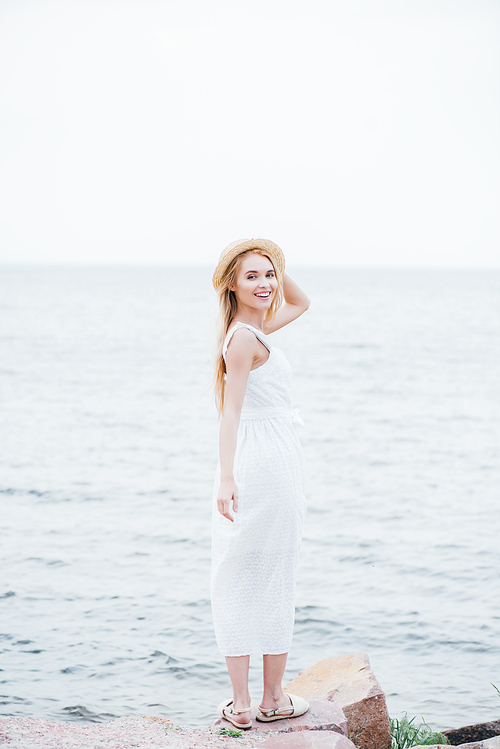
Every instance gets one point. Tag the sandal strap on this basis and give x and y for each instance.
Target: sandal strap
(237, 712)
(275, 710)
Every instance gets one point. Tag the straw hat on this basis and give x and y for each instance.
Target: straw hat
(242, 245)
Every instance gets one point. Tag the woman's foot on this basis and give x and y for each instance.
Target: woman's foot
(281, 708)
(237, 714)
(273, 702)
(241, 718)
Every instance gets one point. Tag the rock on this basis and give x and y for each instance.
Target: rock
(477, 732)
(349, 682)
(493, 743)
(321, 716)
(308, 740)
(127, 733)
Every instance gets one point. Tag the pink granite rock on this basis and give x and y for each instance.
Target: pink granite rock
(126, 733)
(321, 716)
(349, 682)
(308, 740)
(134, 732)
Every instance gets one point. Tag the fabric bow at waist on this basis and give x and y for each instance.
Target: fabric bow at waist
(272, 413)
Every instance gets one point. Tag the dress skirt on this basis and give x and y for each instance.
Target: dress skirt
(254, 559)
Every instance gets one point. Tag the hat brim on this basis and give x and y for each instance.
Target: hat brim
(244, 245)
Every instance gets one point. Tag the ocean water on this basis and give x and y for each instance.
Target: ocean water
(108, 450)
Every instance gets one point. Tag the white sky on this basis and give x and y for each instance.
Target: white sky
(351, 132)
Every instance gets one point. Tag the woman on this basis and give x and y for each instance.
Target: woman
(260, 504)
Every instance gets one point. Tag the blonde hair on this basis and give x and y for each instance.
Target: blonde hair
(228, 306)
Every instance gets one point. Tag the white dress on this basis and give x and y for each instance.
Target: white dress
(254, 559)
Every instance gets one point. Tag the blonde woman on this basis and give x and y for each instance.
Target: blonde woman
(259, 502)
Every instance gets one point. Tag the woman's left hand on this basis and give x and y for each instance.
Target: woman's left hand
(228, 493)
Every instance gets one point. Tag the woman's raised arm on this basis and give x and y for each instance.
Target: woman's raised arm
(296, 303)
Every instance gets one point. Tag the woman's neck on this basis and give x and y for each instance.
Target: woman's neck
(250, 317)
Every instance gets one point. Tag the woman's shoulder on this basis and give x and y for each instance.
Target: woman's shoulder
(241, 335)
(242, 348)
(244, 337)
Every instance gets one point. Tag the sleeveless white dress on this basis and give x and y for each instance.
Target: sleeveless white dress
(254, 559)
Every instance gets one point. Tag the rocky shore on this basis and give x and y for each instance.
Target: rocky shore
(347, 711)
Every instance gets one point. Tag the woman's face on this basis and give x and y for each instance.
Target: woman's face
(256, 282)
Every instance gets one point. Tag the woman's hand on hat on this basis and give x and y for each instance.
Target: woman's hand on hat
(228, 493)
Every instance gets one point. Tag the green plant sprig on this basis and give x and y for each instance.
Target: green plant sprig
(230, 732)
(406, 734)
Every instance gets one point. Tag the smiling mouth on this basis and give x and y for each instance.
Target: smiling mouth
(263, 294)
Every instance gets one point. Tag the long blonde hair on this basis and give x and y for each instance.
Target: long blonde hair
(228, 306)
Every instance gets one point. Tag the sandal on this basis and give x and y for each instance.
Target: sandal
(298, 706)
(226, 712)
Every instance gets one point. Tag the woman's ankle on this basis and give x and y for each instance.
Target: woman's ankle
(241, 702)
(274, 698)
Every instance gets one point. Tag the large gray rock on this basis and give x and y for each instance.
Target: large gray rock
(477, 732)
(321, 716)
(493, 743)
(349, 682)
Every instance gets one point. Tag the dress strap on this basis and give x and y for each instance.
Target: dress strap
(258, 334)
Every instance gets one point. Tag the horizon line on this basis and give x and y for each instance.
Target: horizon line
(202, 265)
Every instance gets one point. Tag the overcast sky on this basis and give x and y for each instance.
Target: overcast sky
(352, 132)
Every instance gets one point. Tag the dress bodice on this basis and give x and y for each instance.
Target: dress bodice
(269, 387)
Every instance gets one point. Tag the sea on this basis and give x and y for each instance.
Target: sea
(107, 458)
